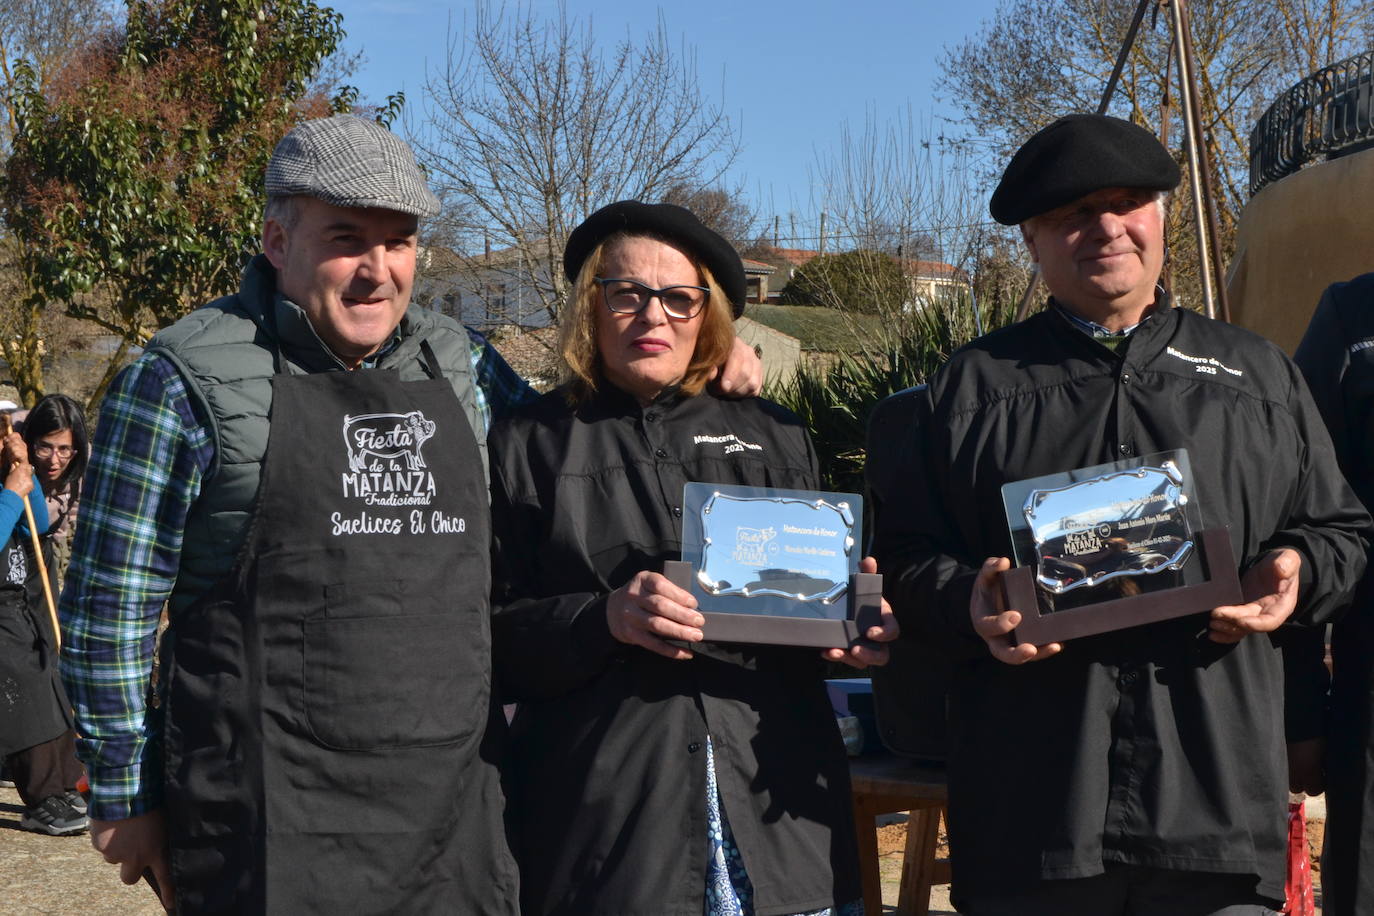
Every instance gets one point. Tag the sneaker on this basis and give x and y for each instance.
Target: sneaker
(76, 800)
(55, 817)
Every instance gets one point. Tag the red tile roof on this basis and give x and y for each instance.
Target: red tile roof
(936, 270)
(795, 256)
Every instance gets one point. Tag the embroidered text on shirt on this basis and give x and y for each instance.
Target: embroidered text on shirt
(1207, 365)
(731, 442)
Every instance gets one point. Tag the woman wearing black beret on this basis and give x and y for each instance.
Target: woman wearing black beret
(645, 777)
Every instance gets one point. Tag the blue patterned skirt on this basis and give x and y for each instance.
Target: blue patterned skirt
(728, 891)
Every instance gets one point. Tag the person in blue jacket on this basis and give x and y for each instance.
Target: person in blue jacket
(36, 738)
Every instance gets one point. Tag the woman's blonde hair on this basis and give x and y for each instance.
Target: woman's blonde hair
(583, 372)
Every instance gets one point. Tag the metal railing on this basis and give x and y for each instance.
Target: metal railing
(1328, 111)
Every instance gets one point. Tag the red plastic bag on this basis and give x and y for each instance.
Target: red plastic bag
(1298, 888)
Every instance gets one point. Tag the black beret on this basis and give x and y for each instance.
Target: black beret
(669, 221)
(1077, 155)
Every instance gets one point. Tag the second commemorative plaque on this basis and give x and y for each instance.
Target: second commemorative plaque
(1112, 546)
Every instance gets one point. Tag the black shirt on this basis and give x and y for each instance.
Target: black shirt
(606, 774)
(1152, 745)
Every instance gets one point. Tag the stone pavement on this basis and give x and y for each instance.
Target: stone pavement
(55, 876)
(60, 874)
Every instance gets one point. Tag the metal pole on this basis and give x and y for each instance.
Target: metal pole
(1192, 132)
(1209, 198)
(1131, 32)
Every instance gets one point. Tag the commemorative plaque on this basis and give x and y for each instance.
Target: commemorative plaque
(776, 566)
(1113, 546)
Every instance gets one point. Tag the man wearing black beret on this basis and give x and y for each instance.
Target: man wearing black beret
(1140, 770)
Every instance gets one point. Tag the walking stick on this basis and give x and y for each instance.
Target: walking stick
(5, 428)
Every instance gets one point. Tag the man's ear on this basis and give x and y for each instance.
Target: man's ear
(1029, 238)
(274, 242)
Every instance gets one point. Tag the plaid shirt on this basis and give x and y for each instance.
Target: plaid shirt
(147, 461)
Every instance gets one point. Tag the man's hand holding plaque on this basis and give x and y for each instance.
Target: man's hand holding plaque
(1271, 591)
(996, 623)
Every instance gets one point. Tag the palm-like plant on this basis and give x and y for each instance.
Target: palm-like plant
(835, 402)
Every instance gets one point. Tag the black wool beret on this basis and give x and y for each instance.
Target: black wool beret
(1077, 155)
(668, 221)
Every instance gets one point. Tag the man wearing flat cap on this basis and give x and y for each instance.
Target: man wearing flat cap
(1140, 770)
(323, 736)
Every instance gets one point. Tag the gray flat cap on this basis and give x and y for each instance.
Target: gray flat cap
(349, 161)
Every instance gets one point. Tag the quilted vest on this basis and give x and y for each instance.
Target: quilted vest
(225, 352)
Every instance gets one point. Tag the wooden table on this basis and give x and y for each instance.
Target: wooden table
(882, 784)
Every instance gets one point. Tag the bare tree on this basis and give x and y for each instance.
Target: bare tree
(893, 194)
(726, 210)
(44, 32)
(533, 123)
(1036, 61)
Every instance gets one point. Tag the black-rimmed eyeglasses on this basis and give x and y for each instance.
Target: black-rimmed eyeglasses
(627, 297)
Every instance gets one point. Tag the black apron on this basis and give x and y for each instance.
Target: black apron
(33, 705)
(328, 706)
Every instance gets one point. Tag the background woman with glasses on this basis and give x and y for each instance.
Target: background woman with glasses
(37, 743)
(55, 432)
(643, 776)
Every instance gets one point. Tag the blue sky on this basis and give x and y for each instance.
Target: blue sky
(789, 74)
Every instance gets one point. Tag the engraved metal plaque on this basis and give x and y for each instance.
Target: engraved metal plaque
(1125, 523)
(1112, 546)
(776, 566)
(795, 547)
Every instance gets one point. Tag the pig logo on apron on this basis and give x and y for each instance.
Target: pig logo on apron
(387, 435)
(386, 465)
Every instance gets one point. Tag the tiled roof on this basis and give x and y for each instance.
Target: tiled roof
(795, 256)
(933, 269)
